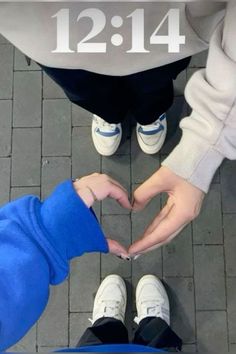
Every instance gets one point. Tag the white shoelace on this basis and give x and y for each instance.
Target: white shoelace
(109, 308)
(103, 125)
(152, 126)
(150, 309)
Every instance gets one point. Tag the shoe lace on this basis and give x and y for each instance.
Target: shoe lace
(153, 308)
(108, 308)
(150, 308)
(152, 126)
(103, 124)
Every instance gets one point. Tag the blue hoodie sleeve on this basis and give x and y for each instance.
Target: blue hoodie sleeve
(37, 240)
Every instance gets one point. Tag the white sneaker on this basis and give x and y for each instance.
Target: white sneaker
(111, 299)
(151, 299)
(106, 136)
(152, 137)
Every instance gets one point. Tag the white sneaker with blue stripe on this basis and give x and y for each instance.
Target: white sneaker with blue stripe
(106, 136)
(151, 299)
(151, 137)
(110, 300)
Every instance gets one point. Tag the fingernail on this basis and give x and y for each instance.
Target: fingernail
(127, 258)
(136, 257)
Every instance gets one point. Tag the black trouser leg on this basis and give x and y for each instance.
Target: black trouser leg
(104, 331)
(152, 90)
(146, 94)
(100, 94)
(154, 332)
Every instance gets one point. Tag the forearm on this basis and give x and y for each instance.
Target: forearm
(209, 133)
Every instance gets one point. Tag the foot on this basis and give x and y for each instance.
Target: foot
(151, 299)
(106, 136)
(152, 137)
(111, 299)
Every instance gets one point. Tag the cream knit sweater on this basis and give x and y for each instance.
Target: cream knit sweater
(209, 133)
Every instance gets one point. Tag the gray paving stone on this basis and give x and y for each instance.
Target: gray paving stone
(17, 192)
(54, 170)
(178, 255)
(6, 71)
(26, 155)
(117, 227)
(147, 263)
(117, 167)
(231, 308)
(232, 348)
(81, 117)
(212, 332)
(78, 324)
(97, 209)
(53, 325)
(5, 174)
(199, 60)
(20, 63)
(85, 159)
(216, 178)
(3, 40)
(180, 83)
(5, 127)
(209, 277)
(26, 344)
(174, 115)
(207, 228)
(230, 243)
(181, 295)
(27, 99)
(84, 282)
(152, 261)
(125, 144)
(51, 89)
(56, 128)
(190, 72)
(189, 348)
(142, 165)
(228, 173)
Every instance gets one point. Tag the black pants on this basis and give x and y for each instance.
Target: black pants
(146, 95)
(152, 332)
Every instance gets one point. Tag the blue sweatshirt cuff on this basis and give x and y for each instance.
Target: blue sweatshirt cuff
(72, 226)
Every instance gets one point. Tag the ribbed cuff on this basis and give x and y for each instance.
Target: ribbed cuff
(72, 226)
(194, 160)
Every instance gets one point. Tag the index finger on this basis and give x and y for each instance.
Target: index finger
(169, 226)
(120, 195)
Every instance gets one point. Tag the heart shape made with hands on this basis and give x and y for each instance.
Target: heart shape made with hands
(183, 205)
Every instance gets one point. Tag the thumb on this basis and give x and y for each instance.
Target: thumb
(147, 191)
(117, 249)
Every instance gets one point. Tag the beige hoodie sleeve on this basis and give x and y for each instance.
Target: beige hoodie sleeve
(209, 133)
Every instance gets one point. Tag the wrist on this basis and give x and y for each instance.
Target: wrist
(84, 194)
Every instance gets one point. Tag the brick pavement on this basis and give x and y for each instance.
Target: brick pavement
(43, 140)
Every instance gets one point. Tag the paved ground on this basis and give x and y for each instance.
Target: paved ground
(44, 140)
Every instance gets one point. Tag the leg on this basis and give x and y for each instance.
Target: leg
(99, 94)
(153, 95)
(153, 316)
(105, 331)
(155, 332)
(108, 314)
(153, 92)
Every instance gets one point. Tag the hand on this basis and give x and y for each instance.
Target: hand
(183, 205)
(98, 187)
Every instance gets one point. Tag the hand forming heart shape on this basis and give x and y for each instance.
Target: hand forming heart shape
(183, 205)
